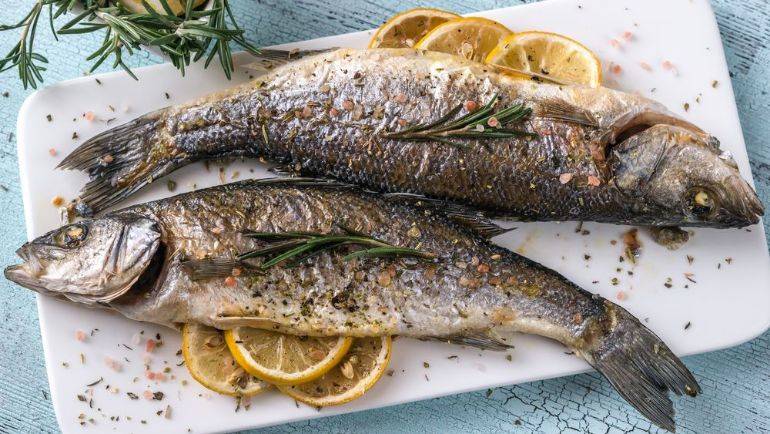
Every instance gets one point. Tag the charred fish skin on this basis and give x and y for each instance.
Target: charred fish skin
(467, 292)
(338, 115)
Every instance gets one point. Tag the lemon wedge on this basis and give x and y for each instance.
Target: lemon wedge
(472, 38)
(282, 358)
(358, 371)
(408, 27)
(177, 6)
(209, 361)
(548, 54)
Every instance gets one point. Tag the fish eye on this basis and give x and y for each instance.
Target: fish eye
(701, 202)
(71, 236)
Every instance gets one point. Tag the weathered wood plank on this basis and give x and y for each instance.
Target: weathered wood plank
(736, 382)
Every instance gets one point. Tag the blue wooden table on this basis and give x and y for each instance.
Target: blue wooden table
(736, 382)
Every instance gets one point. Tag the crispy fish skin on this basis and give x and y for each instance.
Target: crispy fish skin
(598, 154)
(467, 293)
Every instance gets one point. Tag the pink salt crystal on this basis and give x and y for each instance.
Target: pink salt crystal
(628, 36)
(565, 178)
(616, 69)
(621, 295)
(80, 335)
(470, 105)
(113, 364)
(646, 66)
(147, 395)
(615, 43)
(90, 116)
(348, 104)
(593, 181)
(52, 152)
(333, 112)
(150, 345)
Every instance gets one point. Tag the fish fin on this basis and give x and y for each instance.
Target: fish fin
(200, 269)
(559, 109)
(288, 170)
(268, 59)
(474, 220)
(641, 368)
(480, 340)
(118, 163)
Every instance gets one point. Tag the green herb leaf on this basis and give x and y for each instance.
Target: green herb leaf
(447, 128)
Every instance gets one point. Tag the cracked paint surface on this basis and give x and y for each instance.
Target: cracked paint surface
(736, 382)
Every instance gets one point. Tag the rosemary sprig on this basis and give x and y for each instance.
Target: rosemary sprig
(184, 39)
(298, 246)
(291, 248)
(473, 125)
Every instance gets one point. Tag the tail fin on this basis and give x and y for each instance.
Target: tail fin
(119, 162)
(642, 368)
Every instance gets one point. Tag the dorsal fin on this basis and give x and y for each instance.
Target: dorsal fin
(559, 109)
(269, 59)
(473, 220)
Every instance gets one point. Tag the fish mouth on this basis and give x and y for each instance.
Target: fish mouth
(743, 205)
(21, 275)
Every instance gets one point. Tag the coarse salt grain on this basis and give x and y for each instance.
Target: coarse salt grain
(52, 152)
(470, 105)
(80, 335)
(565, 178)
(616, 69)
(90, 116)
(230, 281)
(621, 295)
(150, 345)
(593, 181)
(348, 105)
(615, 43)
(628, 36)
(646, 66)
(113, 364)
(147, 395)
(136, 339)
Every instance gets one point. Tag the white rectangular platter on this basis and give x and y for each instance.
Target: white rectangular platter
(727, 305)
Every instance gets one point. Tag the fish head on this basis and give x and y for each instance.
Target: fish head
(91, 261)
(680, 175)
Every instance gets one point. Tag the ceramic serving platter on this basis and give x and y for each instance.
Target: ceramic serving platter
(717, 299)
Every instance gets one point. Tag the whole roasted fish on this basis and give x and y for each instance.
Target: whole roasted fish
(315, 258)
(401, 120)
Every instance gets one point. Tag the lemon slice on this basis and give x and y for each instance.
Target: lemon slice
(358, 371)
(548, 54)
(282, 358)
(405, 29)
(210, 363)
(177, 6)
(472, 38)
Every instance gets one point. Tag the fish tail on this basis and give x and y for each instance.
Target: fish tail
(641, 367)
(121, 161)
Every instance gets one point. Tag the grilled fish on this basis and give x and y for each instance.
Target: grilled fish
(437, 277)
(401, 120)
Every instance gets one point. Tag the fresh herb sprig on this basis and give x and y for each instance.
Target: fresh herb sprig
(291, 248)
(473, 125)
(184, 39)
(298, 246)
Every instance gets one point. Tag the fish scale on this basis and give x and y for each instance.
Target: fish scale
(346, 114)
